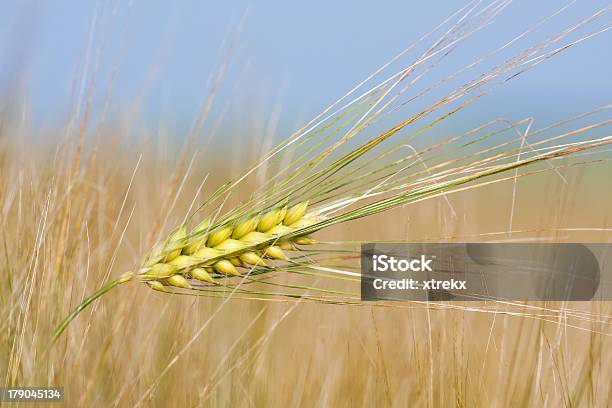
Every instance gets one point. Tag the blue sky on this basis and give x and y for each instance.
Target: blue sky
(299, 55)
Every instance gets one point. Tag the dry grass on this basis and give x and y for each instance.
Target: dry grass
(142, 347)
(76, 215)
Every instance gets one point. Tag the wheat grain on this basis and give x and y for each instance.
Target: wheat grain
(225, 250)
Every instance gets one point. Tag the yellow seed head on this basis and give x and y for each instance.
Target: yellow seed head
(202, 227)
(295, 213)
(251, 258)
(183, 261)
(193, 247)
(157, 285)
(280, 230)
(174, 244)
(304, 241)
(206, 252)
(224, 266)
(303, 222)
(172, 255)
(202, 275)
(230, 245)
(255, 237)
(178, 234)
(281, 215)
(218, 236)
(285, 245)
(155, 255)
(275, 253)
(161, 270)
(244, 227)
(268, 220)
(179, 281)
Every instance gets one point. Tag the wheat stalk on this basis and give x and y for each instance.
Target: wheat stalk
(325, 186)
(241, 246)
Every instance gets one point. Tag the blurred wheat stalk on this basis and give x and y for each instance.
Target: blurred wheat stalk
(331, 171)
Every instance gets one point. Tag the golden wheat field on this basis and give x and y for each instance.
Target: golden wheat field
(63, 234)
(85, 196)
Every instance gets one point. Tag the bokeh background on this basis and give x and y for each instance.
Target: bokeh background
(286, 60)
(74, 214)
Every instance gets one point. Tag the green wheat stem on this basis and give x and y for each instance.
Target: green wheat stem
(86, 302)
